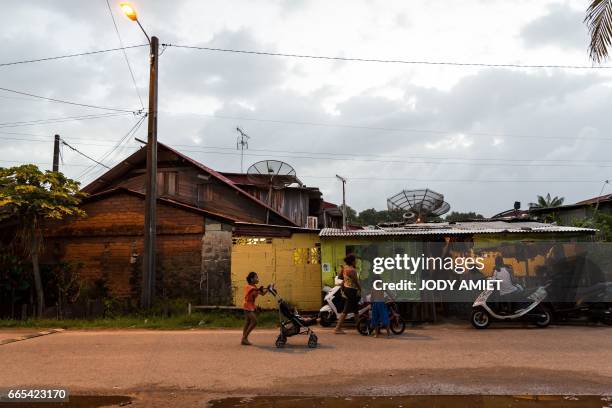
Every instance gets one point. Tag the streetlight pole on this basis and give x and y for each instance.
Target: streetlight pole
(343, 180)
(150, 227)
(149, 264)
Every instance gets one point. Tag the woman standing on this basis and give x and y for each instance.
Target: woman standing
(350, 290)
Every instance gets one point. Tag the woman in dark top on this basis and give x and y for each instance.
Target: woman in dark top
(350, 289)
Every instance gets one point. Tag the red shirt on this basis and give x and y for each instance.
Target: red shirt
(250, 294)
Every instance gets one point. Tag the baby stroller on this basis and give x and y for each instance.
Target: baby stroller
(291, 323)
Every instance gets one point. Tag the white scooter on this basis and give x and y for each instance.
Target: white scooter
(333, 304)
(485, 309)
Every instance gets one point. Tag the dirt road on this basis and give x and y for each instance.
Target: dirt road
(443, 359)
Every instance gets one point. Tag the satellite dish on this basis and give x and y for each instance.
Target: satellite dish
(410, 216)
(272, 173)
(418, 204)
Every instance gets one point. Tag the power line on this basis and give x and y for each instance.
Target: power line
(127, 61)
(384, 129)
(387, 61)
(5, 64)
(83, 154)
(462, 180)
(60, 120)
(320, 57)
(117, 146)
(69, 102)
(521, 180)
(407, 162)
(129, 133)
(42, 163)
(357, 156)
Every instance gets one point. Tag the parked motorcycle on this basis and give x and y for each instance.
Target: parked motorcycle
(490, 307)
(333, 304)
(592, 303)
(396, 322)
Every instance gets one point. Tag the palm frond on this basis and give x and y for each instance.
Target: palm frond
(599, 22)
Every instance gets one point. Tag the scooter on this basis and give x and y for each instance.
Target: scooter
(333, 304)
(396, 322)
(486, 309)
(592, 303)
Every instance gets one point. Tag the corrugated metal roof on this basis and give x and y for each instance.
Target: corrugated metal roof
(472, 227)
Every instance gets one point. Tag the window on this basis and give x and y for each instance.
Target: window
(251, 241)
(167, 183)
(307, 256)
(205, 192)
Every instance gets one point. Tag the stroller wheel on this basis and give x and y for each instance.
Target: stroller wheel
(312, 341)
(281, 341)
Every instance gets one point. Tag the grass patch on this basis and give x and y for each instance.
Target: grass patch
(199, 320)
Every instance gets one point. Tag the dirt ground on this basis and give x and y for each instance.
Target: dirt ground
(187, 368)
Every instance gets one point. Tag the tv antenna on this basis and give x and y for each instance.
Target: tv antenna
(273, 174)
(242, 142)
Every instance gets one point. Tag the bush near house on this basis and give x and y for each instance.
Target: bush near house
(602, 222)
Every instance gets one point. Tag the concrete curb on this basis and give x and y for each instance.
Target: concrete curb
(30, 336)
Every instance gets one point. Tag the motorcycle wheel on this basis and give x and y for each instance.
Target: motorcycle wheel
(398, 326)
(480, 319)
(326, 319)
(607, 316)
(544, 321)
(363, 326)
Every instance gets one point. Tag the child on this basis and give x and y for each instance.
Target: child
(251, 291)
(380, 312)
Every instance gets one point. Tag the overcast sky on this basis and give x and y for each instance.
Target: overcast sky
(385, 127)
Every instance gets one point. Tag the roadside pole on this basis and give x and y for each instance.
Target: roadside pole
(149, 263)
(343, 180)
(56, 152)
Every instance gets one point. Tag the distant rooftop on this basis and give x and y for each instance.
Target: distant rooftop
(594, 200)
(458, 228)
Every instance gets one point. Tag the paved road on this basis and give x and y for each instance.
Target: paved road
(443, 359)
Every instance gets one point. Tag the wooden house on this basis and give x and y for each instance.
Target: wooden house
(212, 230)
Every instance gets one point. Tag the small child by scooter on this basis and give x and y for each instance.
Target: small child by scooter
(380, 313)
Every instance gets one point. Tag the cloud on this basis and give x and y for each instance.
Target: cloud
(223, 75)
(375, 124)
(562, 27)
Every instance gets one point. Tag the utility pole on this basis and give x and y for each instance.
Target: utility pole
(241, 144)
(343, 180)
(149, 264)
(56, 153)
(150, 227)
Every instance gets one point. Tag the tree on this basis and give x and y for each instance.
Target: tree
(463, 216)
(29, 196)
(600, 221)
(371, 216)
(599, 21)
(351, 214)
(547, 202)
(13, 280)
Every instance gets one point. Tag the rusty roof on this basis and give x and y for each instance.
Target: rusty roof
(458, 228)
(100, 184)
(165, 200)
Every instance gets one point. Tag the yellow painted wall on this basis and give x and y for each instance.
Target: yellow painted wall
(282, 261)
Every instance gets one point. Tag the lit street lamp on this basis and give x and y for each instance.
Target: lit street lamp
(148, 271)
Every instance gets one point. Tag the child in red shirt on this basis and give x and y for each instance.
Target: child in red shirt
(251, 291)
